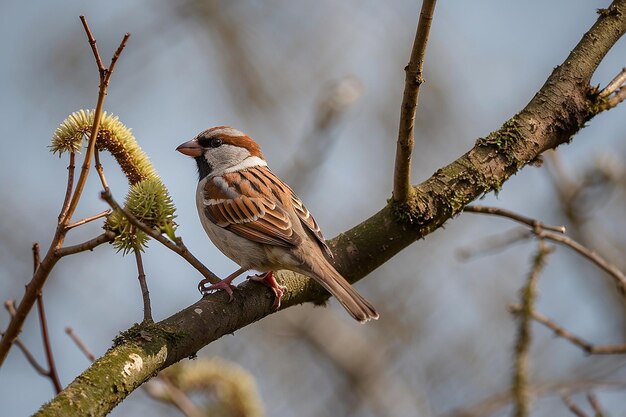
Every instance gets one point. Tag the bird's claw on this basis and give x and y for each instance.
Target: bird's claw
(269, 280)
(222, 285)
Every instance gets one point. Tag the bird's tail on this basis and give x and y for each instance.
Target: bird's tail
(350, 299)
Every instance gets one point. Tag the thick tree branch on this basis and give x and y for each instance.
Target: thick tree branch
(558, 110)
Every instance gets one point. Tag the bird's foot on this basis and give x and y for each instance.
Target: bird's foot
(269, 280)
(224, 284)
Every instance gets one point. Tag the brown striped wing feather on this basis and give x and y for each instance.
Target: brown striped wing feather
(305, 215)
(257, 211)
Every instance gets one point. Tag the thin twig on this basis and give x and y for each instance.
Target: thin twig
(100, 170)
(576, 410)
(617, 98)
(175, 396)
(595, 404)
(615, 84)
(43, 324)
(70, 185)
(178, 247)
(105, 237)
(115, 57)
(575, 340)
(496, 211)
(519, 385)
(500, 400)
(80, 344)
(402, 189)
(542, 231)
(36, 256)
(89, 219)
(611, 269)
(94, 47)
(145, 294)
(9, 305)
(52, 370)
(105, 75)
(614, 93)
(29, 357)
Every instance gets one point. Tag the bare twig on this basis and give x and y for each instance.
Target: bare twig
(605, 265)
(595, 404)
(80, 344)
(36, 256)
(43, 324)
(52, 370)
(29, 357)
(89, 219)
(576, 410)
(10, 307)
(94, 47)
(105, 75)
(100, 170)
(575, 340)
(496, 211)
(70, 184)
(519, 385)
(402, 189)
(500, 400)
(178, 247)
(145, 294)
(614, 93)
(615, 84)
(172, 394)
(542, 231)
(105, 237)
(617, 98)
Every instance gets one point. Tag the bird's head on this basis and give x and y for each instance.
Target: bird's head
(222, 149)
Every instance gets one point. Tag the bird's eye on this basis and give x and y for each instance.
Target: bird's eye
(210, 142)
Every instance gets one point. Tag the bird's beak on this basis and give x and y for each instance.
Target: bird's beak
(191, 148)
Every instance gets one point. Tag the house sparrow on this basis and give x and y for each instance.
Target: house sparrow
(258, 221)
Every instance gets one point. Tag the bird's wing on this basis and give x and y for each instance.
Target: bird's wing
(305, 215)
(243, 203)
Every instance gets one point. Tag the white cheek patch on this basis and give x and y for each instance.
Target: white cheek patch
(252, 161)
